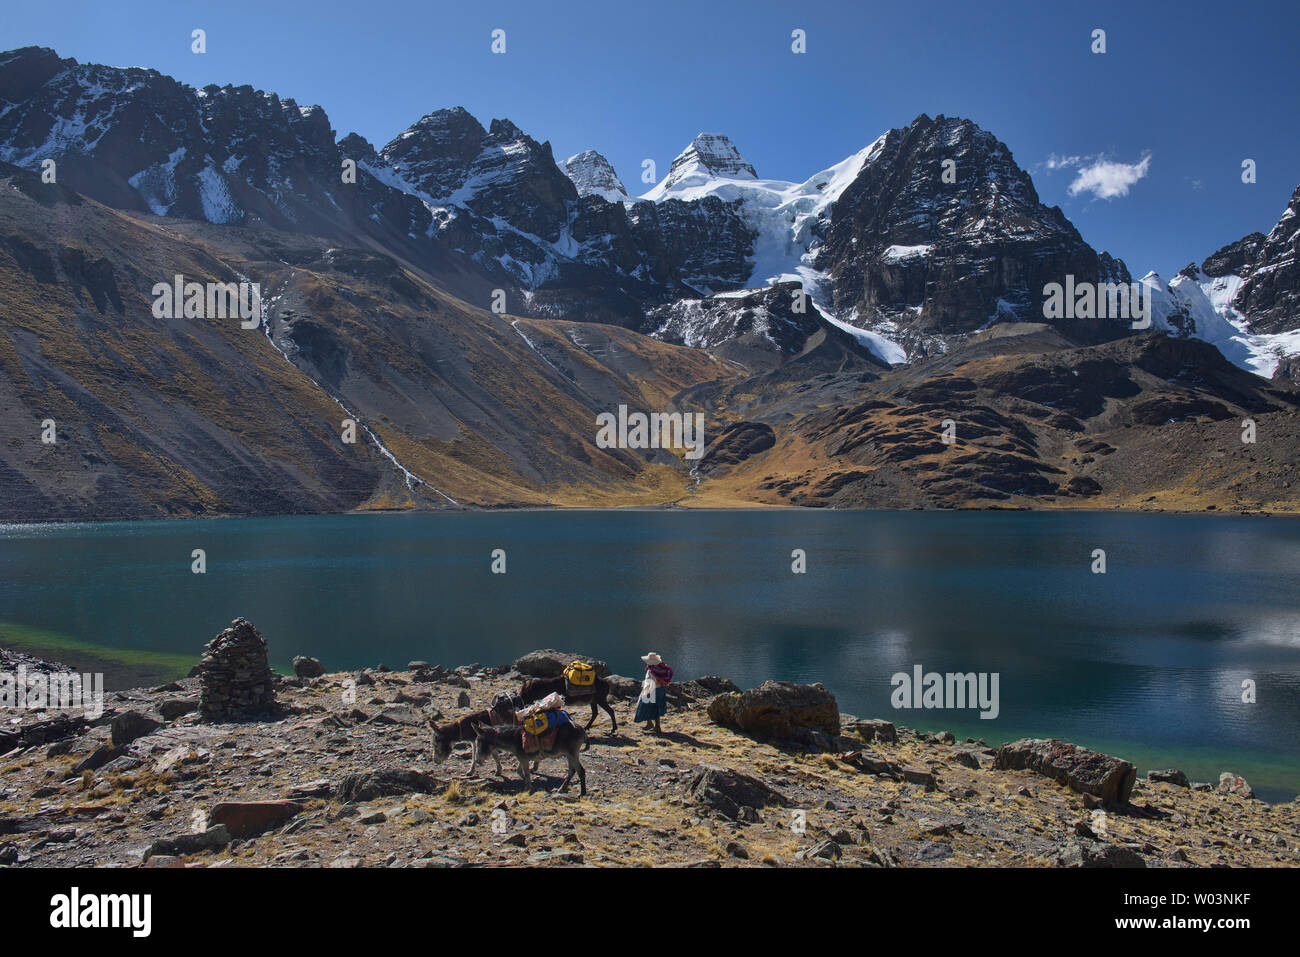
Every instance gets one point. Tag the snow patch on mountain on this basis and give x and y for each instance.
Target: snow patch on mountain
(157, 184)
(884, 348)
(898, 254)
(1201, 306)
(218, 205)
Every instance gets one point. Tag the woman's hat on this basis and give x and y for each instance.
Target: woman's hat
(652, 659)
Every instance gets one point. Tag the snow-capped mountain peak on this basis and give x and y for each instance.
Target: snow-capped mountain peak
(710, 156)
(593, 175)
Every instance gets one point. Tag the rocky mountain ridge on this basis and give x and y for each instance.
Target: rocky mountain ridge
(827, 328)
(928, 235)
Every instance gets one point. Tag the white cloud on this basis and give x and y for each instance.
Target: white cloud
(1106, 179)
(1055, 162)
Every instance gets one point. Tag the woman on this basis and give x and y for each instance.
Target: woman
(654, 693)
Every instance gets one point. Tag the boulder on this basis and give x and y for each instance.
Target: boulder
(248, 818)
(1230, 783)
(549, 663)
(969, 756)
(704, 688)
(921, 776)
(1093, 854)
(621, 687)
(1088, 772)
(96, 759)
(305, 667)
(778, 709)
(129, 725)
(320, 787)
(728, 792)
(49, 731)
(1172, 776)
(368, 785)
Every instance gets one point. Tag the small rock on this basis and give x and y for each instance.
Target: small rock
(871, 730)
(310, 789)
(823, 850)
(213, 838)
(934, 851)
(173, 708)
(555, 857)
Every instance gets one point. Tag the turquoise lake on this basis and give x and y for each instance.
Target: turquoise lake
(1146, 661)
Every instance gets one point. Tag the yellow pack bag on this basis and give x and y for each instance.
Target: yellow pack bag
(581, 674)
(539, 722)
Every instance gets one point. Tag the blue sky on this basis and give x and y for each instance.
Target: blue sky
(1195, 86)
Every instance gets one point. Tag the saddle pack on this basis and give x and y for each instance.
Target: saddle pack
(541, 728)
(579, 679)
(540, 722)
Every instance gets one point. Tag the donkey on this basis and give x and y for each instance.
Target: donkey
(535, 689)
(501, 712)
(569, 741)
(446, 737)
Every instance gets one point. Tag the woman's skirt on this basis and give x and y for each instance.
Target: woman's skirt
(652, 712)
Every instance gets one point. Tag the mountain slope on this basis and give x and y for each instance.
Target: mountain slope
(1144, 422)
(174, 417)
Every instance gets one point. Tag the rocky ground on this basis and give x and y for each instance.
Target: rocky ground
(345, 778)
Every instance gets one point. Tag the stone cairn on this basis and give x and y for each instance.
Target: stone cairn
(235, 679)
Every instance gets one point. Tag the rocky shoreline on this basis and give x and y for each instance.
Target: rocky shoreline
(336, 770)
